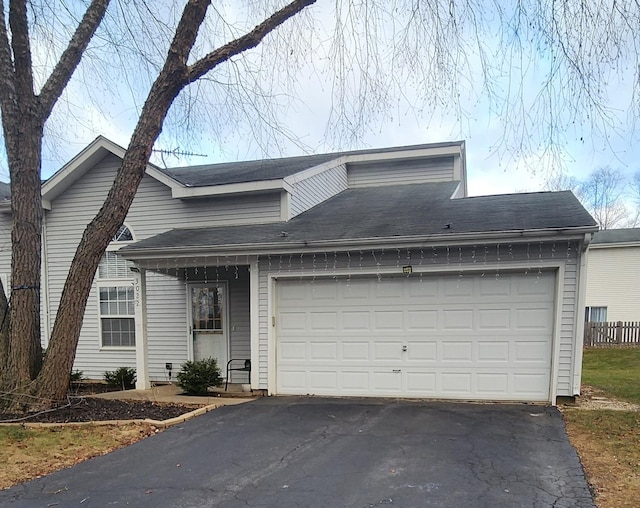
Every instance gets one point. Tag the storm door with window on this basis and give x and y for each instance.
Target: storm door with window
(208, 322)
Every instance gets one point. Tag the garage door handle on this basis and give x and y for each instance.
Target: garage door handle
(396, 370)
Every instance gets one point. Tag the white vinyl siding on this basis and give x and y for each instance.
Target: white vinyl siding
(167, 323)
(438, 169)
(153, 211)
(613, 281)
(488, 261)
(318, 188)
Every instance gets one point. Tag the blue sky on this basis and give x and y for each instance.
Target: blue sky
(403, 118)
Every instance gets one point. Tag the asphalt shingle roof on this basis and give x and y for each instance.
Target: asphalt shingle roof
(617, 236)
(393, 211)
(267, 169)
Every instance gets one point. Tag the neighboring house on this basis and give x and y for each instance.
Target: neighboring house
(613, 280)
(363, 273)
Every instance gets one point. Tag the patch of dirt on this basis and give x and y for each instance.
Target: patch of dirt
(87, 409)
(591, 398)
(608, 455)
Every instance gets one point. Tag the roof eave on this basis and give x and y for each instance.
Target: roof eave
(513, 236)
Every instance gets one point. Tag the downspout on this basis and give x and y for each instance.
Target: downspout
(579, 320)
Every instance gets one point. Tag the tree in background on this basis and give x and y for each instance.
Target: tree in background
(612, 199)
(374, 54)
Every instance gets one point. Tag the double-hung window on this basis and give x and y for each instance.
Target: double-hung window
(116, 297)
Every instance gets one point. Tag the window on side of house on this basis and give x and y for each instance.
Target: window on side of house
(596, 314)
(117, 311)
(116, 298)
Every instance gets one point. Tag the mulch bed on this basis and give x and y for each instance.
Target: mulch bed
(87, 409)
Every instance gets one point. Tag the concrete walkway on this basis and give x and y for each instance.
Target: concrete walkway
(173, 393)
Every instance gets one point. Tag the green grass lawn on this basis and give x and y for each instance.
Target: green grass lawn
(615, 371)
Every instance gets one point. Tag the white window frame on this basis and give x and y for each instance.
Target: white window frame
(589, 311)
(115, 283)
(127, 282)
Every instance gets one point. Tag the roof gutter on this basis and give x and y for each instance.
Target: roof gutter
(515, 236)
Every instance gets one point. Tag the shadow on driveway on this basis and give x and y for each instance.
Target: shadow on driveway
(314, 452)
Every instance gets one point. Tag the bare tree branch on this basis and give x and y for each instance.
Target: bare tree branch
(248, 41)
(71, 56)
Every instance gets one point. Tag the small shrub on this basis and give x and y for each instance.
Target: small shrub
(123, 378)
(76, 377)
(196, 377)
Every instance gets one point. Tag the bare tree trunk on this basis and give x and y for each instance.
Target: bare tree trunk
(174, 76)
(25, 350)
(4, 333)
(23, 116)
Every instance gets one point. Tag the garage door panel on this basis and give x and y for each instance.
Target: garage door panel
(457, 319)
(529, 384)
(323, 321)
(294, 351)
(422, 350)
(355, 351)
(420, 383)
(355, 382)
(292, 321)
(494, 286)
(457, 287)
(492, 351)
(356, 289)
(536, 284)
(531, 351)
(494, 319)
(468, 337)
(422, 320)
(386, 383)
(323, 351)
(388, 320)
(425, 289)
(533, 318)
(456, 383)
(454, 351)
(323, 381)
(324, 290)
(493, 384)
(291, 381)
(391, 289)
(384, 351)
(356, 320)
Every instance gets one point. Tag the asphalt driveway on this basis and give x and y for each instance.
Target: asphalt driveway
(311, 452)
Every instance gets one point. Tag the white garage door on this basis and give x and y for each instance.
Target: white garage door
(458, 337)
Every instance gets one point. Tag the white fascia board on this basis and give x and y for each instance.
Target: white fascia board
(513, 237)
(453, 149)
(232, 188)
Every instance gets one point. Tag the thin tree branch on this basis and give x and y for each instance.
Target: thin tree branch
(71, 56)
(247, 41)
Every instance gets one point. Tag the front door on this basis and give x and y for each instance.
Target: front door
(209, 322)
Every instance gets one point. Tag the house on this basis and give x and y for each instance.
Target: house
(361, 273)
(613, 280)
